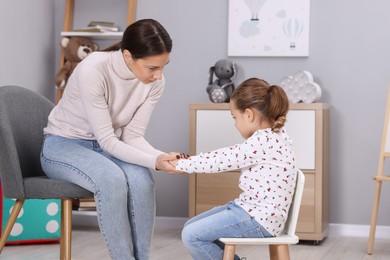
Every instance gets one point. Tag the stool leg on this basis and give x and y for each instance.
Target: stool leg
(279, 252)
(229, 252)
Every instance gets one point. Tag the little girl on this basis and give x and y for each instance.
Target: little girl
(268, 173)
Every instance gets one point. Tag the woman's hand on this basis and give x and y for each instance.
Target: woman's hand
(164, 162)
(179, 156)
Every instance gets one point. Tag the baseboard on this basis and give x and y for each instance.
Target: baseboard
(347, 230)
(84, 218)
(88, 218)
(170, 222)
(335, 230)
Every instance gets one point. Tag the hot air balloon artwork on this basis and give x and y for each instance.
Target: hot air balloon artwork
(254, 7)
(293, 28)
(269, 28)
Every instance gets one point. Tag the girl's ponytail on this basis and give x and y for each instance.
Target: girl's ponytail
(277, 107)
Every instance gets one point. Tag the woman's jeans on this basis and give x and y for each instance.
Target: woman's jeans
(124, 192)
(201, 233)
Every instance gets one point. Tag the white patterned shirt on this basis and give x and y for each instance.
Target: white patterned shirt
(268, 174)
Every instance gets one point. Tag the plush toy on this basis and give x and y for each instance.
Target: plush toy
(222, 88)
(75, 50)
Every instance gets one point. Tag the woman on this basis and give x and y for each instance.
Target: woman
(95, 135)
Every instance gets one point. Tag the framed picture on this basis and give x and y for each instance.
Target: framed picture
(269, 28)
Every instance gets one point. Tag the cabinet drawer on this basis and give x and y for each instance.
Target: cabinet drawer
(215, 190)
(306, 219)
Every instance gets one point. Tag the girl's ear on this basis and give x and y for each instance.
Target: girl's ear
(249, 114)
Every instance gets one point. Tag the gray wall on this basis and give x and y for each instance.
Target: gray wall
(27, 44)
(348, 57)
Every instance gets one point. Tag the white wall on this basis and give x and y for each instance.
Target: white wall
(27, 45)
(348, 58)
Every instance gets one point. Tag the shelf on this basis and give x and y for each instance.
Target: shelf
(84, 212)
(223, 106)
(68, 27)
(95, 35)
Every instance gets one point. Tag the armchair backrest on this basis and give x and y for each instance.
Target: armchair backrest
(23, 115)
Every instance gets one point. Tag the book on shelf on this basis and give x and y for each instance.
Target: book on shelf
(84, 203)
(99, 26)
(102, 23)
(83, 209)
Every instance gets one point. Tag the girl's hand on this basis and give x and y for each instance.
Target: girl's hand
(174, 162)
(184, 156)
(163, 163)
(179, 156)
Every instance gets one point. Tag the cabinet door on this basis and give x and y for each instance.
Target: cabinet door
(300, 126)
(215, 129)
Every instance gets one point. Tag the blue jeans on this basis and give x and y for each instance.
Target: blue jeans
(201, 233)
(124, 192)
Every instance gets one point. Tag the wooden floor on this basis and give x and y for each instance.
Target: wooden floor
(88, 245)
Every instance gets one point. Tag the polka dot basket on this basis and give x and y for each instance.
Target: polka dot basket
(37, 222)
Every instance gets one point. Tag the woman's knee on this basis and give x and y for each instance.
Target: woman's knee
(112, 182)
(141, 178)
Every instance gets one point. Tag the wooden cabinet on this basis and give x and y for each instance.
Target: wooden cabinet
(212, 127)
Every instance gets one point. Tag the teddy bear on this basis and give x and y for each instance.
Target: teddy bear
(75, 50)
(222, 88)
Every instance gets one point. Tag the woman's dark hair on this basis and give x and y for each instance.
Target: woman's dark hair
(270, 100)
(144, 38)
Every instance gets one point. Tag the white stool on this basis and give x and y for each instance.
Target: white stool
(278, 246)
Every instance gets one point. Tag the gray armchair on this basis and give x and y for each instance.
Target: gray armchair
(23, 115)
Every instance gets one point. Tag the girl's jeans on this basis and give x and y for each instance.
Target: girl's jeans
(124, 192)
(201, 233)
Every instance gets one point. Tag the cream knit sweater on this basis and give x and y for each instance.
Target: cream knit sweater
(104, 101)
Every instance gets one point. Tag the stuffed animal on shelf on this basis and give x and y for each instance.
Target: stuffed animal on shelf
(222, 88)
(75, 50)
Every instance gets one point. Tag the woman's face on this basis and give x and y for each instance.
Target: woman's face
(148, 69)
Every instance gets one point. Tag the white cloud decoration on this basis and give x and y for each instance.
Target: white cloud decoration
(300, 87)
